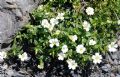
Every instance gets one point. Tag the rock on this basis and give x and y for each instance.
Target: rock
(106, 67)
(4, 67)
(115, 62)
(10, 72)
(108, 59)
(14, 14)
(119, 69)
(118, 75)
(119, 62)
(95, 75)
(118, 55)
(118, 42)
(114, 55)
(112, 75)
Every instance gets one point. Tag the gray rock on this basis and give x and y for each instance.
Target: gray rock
(115, 62)
(42, 74)
(95, 75)
(112, 75)
(108, 59)
(118, 41)
(118, 75)
(14, 14)
(119, 62)
(106, 67)
(118, 54)
(119, 69)
(10, 72)
(114, 55)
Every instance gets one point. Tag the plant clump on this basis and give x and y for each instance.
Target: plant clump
(73, 31)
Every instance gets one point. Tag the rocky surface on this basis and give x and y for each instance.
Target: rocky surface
(13, 15)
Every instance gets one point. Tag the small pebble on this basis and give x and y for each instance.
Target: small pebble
(114, 55)
(118, 42)
(118, 69)
(118, 75)
(115, 62)
(112, 75)
(108, 58)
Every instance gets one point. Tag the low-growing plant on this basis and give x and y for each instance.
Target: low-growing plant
(76, 31)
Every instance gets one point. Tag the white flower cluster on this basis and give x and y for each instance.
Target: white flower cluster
(71, 63)
(79, 49)
(62, 55)
(86, 24)
(112, 47)
(53, 21)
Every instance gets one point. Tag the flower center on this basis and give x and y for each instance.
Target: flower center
(97, 58)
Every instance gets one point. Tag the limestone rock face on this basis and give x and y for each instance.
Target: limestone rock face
(13, 15)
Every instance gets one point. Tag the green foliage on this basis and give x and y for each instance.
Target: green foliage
(103, 29)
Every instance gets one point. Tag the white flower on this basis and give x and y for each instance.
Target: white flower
(50, 25)
(90, 11)
(53, 42)
(23, 56)
(3, 55)
(64, 48)
(41, 65)
(45, 23)
(47, 13)
(51, 0)
(118, 22)
(86, 25)
(80, 49)
(112, 47)
(72, 64)
(51, 28)
(61, 56)
(40, 7)
(92, 42)
(53, 21)
(96, 58)
(73, 38)
(60, 16)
